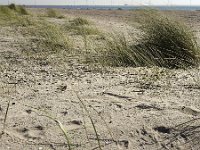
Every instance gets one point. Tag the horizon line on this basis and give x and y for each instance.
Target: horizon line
(96, 5)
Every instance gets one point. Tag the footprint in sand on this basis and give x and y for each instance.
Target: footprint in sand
(35, 133)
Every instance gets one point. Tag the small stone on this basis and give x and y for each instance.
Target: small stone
(29, 111)
(40, 148)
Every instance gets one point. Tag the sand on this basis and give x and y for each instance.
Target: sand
(144, 108)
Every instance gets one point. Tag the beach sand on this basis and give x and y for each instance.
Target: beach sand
(144, 108)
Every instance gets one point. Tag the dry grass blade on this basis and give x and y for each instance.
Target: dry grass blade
(5, 117)
(93, 125)
(108, 128)
(60, 125)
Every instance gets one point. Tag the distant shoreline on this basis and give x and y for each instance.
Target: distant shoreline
(115, 7)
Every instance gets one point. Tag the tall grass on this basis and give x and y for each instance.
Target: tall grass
(51, 38)
(171, 43)
(118, 52)
(164, 42)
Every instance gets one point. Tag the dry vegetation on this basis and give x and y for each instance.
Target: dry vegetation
(164, 43)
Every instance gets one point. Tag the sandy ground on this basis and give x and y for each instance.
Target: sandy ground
(145, 108)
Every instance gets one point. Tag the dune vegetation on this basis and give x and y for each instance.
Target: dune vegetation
(163, 42)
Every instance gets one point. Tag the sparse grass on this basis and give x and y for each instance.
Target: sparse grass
(91, 119)
(164, 43)
(45, 39)
(52, 38)
(48, 40)
(79, 22)
(60, 125)
(81, 26)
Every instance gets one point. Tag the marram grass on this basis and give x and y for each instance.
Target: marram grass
(164, 42)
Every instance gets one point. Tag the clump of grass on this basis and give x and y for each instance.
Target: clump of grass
(22, 10)
(5, 12)
(81, 26)
(79, 22)
(12, 6)
(117, 53)
(53, 38)
(164, 42)
(48, 40)
(52, 13)
(14, 16)
(171, 43)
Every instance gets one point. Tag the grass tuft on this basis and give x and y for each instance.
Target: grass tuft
(51, 13)
(81, 26)
(118, 52)
(52, 38)
(12, 6)
(171, 44)
(164, 42)
(22, 10)
(5, 12)
(48, 41)
(14, 16)
(79, 22)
